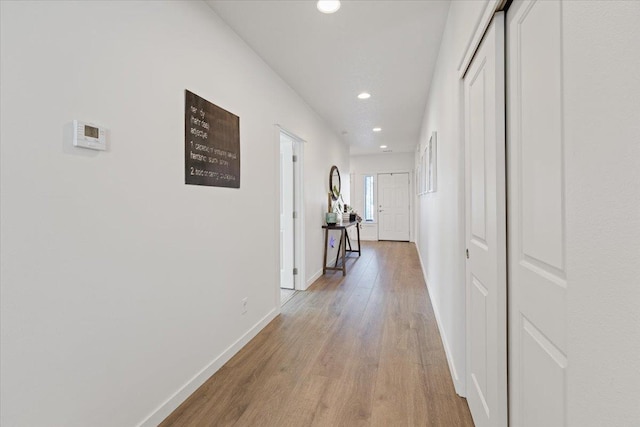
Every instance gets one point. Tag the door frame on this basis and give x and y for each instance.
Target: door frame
(298, 206)
(287, 213)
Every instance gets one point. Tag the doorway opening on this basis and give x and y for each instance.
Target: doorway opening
(291, 230)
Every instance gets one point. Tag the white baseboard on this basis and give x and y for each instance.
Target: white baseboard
(457, 383)
(164, 410)
(312, 279)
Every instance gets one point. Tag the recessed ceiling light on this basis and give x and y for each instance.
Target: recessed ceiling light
(383, 146)
(364, 95)
(377, 129)
(328, 6)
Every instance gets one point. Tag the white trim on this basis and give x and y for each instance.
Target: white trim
(168, 406)
(288, 133)
(277, 130)
(298, 224)
(480, 28)
(364, 199)
(385, 171)
(312, 279)
(457, 382)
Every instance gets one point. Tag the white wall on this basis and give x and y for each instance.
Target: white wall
(440, 215)
(373, 164)
(383, 163)
(120, 284)
(318, 158)
(602, 186)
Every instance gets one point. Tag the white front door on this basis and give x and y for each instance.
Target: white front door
(537, 263)
(393, 206)
(286, 212)
(486, 271)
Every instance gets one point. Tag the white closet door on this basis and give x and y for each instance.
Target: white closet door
(537, 266)
(486, 230)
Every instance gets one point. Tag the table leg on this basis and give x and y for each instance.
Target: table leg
(358, 230)
(324, 264)
(339, 251)
(344, 251)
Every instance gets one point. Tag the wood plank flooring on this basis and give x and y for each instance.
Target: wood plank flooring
(286, 295)
(360, 350)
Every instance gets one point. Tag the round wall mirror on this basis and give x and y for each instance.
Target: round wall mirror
(334, 182)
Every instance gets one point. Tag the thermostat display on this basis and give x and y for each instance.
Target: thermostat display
(90, 136)
(90, 131)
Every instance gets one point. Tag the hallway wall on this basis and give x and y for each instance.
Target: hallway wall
(440, 215)
(372, 164)
(120, 284)
(602, 190)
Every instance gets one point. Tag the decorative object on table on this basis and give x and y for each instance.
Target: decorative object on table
(345, 213)
(353, 215)
(335, 202)
(338, 205)
(334, 214)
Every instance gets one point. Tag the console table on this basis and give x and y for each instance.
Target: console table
(342, 248)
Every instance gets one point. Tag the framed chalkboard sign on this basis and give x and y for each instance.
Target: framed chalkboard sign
(212, 144)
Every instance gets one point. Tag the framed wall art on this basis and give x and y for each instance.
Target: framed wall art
(432, 163)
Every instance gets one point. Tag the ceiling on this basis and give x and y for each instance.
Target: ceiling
(386, 48)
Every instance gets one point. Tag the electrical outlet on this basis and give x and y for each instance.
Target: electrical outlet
(245, 300)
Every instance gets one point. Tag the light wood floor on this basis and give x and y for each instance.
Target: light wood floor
(286, 295)
(363, 350)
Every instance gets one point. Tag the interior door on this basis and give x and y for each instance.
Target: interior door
(393, 206)
(286, 212)
(486, 230)
(537, 269)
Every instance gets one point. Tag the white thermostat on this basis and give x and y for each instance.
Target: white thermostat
(87, 135)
